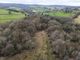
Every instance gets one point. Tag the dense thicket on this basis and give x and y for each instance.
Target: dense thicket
(16, 37)
(63, 34)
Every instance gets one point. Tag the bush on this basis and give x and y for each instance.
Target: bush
(78, 56)
(63, 20)
(9, 50)
(67, 28)
(77, 26)
(56, 35)
(17, 37)
(53, 22)
(59, 48)
(44, 19)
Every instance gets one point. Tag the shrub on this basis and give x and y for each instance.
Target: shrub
(17, 37)
(59, 48)
(53, 22)
(56, 35)
(44, 19)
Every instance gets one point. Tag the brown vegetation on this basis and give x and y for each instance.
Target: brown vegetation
(42, 37)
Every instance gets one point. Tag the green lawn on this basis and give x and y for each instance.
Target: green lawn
(59, 13)
(5, 17)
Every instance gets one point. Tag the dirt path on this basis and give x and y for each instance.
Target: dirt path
(77, 20)
(40, 53)
(41, 39)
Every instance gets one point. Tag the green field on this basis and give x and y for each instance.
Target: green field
(5, 16)
(59, 13)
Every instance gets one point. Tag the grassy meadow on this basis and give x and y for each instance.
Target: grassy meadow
(5, 16)
(59, 13)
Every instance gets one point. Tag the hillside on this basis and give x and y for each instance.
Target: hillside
(40, 38)
(6, 17)
(25, 6)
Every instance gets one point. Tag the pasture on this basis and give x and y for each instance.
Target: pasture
(5, 16)
(59, 13)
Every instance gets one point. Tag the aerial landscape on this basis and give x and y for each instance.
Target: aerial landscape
(39, 30)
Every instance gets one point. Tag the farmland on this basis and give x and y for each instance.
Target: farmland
(62, 14)
(59, 13)
(5, 17)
